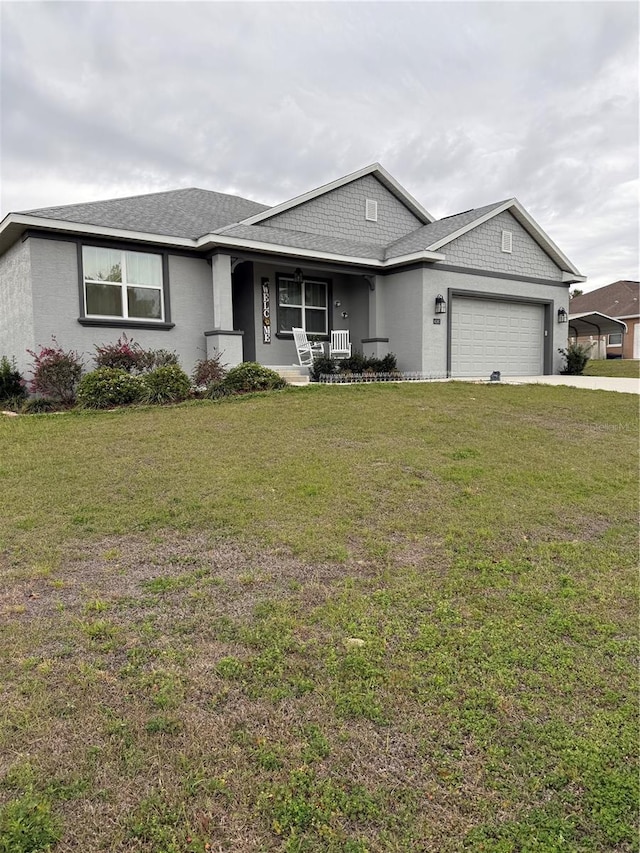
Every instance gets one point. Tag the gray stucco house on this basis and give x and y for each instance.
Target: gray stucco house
(195, 271)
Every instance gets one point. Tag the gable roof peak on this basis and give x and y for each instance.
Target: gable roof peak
(375, 169)
(523, 217)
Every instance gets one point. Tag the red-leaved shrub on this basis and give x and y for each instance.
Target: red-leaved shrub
(125, 354)
(208, 370)
(55, 373)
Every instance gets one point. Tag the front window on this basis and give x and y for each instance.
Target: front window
(615, 339)
(303, 305)
(122, 284)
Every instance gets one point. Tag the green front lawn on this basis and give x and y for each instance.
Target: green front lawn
(349, 619)
(617, 367)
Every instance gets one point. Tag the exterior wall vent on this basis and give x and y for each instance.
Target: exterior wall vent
(507, 241)
(371, 210)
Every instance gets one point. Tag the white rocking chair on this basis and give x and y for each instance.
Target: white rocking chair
(307, 351)
(340, 346)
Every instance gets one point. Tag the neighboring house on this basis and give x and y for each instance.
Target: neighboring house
(196, 271)
(621, 301)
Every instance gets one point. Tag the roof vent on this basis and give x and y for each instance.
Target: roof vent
(371, 210)
(507, 241)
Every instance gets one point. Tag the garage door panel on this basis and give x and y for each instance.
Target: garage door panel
(488, 335)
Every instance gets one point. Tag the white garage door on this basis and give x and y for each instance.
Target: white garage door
(488, 335)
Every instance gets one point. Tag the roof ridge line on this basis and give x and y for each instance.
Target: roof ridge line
(104, 200)
(141, 195)
(471, 209)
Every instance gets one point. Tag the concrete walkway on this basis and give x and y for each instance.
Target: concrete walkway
(595, 383)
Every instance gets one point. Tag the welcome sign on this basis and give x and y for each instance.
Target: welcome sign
(266, 312)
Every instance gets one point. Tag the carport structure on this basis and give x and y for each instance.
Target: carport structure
(593, 324)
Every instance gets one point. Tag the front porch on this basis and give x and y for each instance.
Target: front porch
(270, 298)
(257, 303)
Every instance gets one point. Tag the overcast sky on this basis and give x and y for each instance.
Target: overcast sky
(464, 103)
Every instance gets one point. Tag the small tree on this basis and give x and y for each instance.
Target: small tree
(575, 292)
(576, 357)
(55, 373)
(12, 385)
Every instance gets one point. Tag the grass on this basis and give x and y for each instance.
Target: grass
(617, 367)
(332, 619)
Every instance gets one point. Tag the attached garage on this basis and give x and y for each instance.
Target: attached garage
(492, 334)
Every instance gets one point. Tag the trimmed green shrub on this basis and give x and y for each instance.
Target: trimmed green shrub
(109, 386)
(12, 385)
(169, 384)
(56, 373)
(388, 363)
(357, 363)
(323, 365)
(208, 371)
(576, 357)
(250, 376)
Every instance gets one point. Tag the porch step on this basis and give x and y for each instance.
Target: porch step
(291, 373)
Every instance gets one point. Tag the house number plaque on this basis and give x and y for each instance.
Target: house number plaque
(266, 312)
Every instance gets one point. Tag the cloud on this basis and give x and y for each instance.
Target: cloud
(465, 103)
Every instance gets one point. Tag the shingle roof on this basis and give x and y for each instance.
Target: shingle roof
(427, 235)
(620, 299)
(192, 213)
(186, 213)
(304, 240)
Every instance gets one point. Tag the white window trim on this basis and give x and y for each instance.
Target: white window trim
(124, 284)
(609, 344)
(303, 307)
(507, 241)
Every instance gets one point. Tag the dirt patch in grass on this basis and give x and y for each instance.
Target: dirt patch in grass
(115, 570)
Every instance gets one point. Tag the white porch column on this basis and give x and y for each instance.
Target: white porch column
(222, 299)
(222, 337)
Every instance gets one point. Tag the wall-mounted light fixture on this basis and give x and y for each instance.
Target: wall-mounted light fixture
(441, 305)
(562, 315)
(298, 275)
(337, 303)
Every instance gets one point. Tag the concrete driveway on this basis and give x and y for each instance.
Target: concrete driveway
(595, 383)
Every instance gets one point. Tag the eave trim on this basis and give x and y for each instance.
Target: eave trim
(214, 241)
(95, 230)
